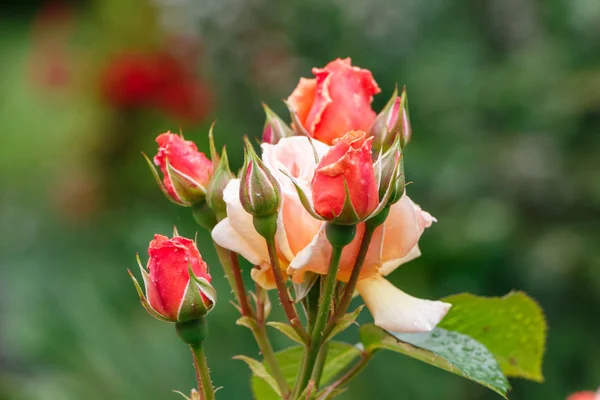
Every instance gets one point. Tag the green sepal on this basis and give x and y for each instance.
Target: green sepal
(299, 128)
(192, 304)
(188, 190)
(218, 182)
(306, 203)
(144, 301)
(345, 322)
(287, 330)
(160, 183)
(259, 370)
(214, 156)
(347, 215)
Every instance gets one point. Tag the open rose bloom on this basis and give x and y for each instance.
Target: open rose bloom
(303, 247)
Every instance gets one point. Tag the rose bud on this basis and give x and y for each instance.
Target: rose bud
(389, 173)
(585, 396)
(260, 193)
(216, 186)
(337, 101)
(177, 282)
(186, 171)
(344, 187)
(392, 122)
(275, 128)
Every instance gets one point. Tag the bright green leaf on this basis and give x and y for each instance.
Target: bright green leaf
(287, 330)
(512, 327)
(451, 351)
(338, 357)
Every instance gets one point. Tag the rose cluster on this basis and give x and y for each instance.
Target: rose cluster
(321, 170)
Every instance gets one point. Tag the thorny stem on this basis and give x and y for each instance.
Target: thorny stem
(351, 286)
(233, 273)
(284, 296)
(322, 315)
(202, 373)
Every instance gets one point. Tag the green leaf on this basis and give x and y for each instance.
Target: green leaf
(287, 330)
(451, 351)
(259, 370)
(345, 322)
(338, 357)
(512, 327)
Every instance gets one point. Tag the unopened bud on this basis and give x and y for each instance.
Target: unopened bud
(275, 128)
(392, 122)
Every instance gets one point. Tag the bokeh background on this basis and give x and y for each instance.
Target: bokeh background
(505, 106)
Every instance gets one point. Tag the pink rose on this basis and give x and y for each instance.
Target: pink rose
(171, 293)
(337, 101)
(347, 163)
(189, 172)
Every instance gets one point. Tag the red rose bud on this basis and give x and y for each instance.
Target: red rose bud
(337, 101)
(275, 128)
(344, 187)
(585, 396)
(260, 193)
(389, 173)
(186, 171)
(392, 122)
(177, 282)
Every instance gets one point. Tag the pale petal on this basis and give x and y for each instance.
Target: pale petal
(396, 311)
(315, 256)
(389, 266)
(402, 229)
(225, 236)
(263, 276)
(236, 232)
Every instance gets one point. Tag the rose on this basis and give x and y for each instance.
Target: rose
(337, 101)
(585, 396)
(186, 171)
(302, 245)
(347, 166)
(171, 293)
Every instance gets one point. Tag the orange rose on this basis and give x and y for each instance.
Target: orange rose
(337, 101)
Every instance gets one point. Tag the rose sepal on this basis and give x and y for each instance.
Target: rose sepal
(159, 182)
(187, 189)
(143, 299)
(300, 129)
(217, 184)
(192, 304)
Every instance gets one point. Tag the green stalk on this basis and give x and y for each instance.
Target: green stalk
(348, 376)
(322, 315)
(319, 365)
(205, 385)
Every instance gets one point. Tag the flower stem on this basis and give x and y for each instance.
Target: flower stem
(339, 237)
(319, 364)
(205, 385)
(348, 376)
(344, 303)
(233, 273)
(284, 296)
(262, 339)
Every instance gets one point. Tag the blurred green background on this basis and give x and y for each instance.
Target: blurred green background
(505, 106)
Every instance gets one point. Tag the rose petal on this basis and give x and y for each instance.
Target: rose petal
(303, 97)
(394, 310)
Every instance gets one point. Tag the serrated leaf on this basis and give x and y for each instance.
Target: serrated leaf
(451, 351)
(344, 322)
(338, 357)
(287, 330)
(259, 370)
(512, 327)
